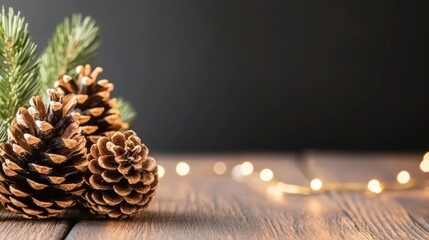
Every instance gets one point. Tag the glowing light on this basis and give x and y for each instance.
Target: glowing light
(375, 186)
(266, 175)
(403, 177)
(424, 165)
(236, 172)
(161, 171)
(219, 168)
(316, 184)
(182, 168)
(275, 191)
(246, 168)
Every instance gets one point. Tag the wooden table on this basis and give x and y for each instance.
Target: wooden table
(203, 205)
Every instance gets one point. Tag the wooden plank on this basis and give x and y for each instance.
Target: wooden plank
(205, 206)
(15, 227)
(390, 215)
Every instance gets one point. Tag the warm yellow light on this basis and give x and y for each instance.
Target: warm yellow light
(375, 186)
(219, 168)
(161, 171)
(266, 175)
(246, 168)
(424, 165)
(275, 191)
(316, 184)
(236, 172)
(403, 177)
(182, 168)
(426, 156)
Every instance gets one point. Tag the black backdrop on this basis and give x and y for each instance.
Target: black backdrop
(232, 75)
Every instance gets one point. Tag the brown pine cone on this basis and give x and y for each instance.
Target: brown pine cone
(41, 172)
(121, 178)
(98, 115)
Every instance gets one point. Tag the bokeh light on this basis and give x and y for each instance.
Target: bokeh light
(424, 165)
(275, 192)
(375, 186)
(236, 172)
(266, 175)
(246, 168)
(403, 177)
(161, 171)
(219, 168)
(316, 184)
(182, 168)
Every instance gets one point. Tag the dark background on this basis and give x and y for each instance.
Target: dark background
(262, 75)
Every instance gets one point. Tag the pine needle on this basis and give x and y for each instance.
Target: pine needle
(18, 68)
(128, 113)
(75, 42)
(3, 131)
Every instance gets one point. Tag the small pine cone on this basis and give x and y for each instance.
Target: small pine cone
(41, 172)
(98, 115)
(121, 178)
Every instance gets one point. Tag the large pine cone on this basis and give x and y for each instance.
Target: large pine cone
(121, 178)
(41, 172)
(98, 115)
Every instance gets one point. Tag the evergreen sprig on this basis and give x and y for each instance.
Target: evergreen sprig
(75, 42)
(18, 68)
(128, 113)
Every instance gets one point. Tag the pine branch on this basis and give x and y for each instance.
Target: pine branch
(75, 42)
(18, 68)
(3, 130)
(128, 113)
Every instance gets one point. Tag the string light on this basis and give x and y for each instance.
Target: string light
(236, 172)
(161, 171)
(424, 165)
(375, 186)
(316, 184)
(276, 188)
(245, 171)
(266, 175)
(275, 191)
(246, 168)
(182, 168)
(403, 177)
(219, 168)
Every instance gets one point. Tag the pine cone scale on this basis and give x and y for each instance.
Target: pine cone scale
(93, 102)
(45, 167)
(41, 169)
(121, 179)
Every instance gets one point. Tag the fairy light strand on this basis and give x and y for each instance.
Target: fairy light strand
(245, 172)
(275, 187)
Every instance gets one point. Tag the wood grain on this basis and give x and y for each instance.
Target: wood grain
(14, 227)
(204, 206)
(391, 215)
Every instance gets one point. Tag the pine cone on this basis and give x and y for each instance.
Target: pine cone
(121, 178)
(98, 115)
(41, 172)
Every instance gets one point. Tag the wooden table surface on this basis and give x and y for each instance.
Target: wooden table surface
(203, 205)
